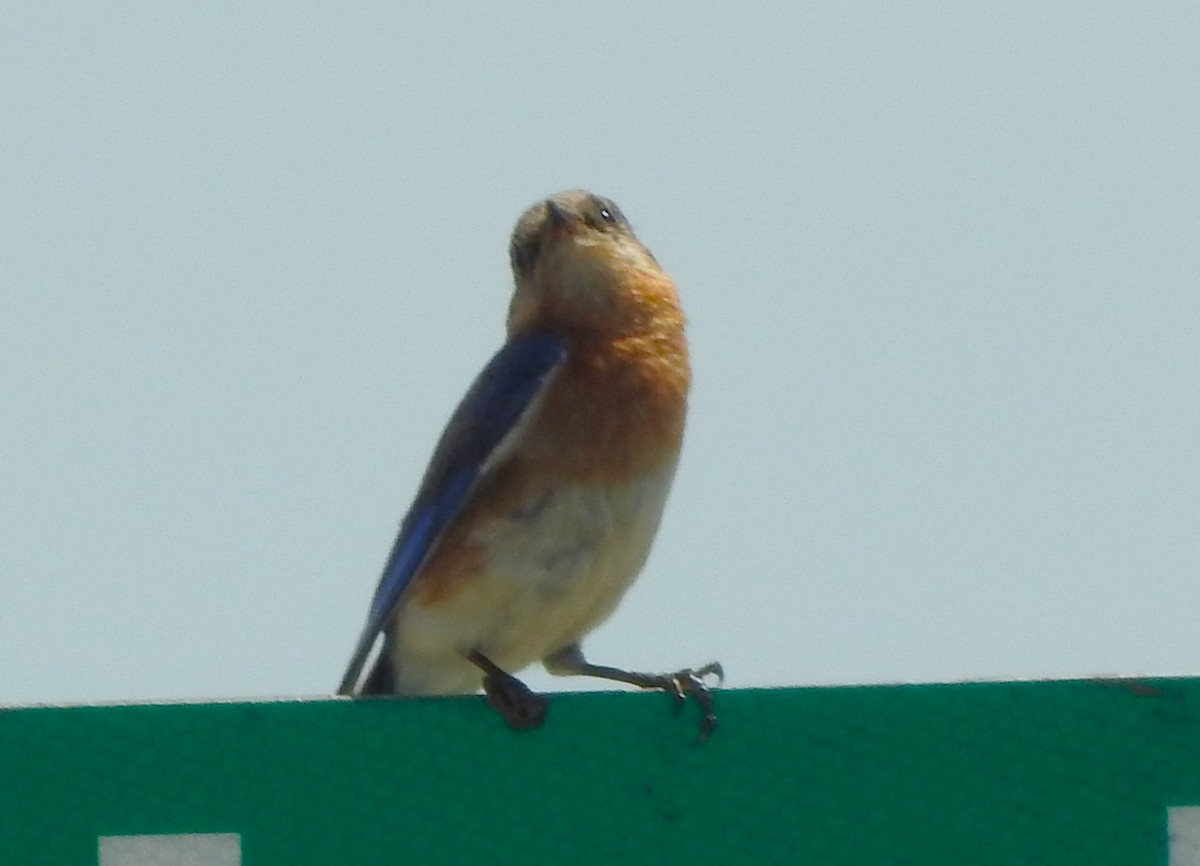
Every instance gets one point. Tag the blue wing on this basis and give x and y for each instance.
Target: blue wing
(497, 399)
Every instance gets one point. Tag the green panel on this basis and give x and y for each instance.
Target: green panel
(996, 773)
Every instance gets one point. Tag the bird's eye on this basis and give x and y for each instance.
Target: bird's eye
(605, 214)
(609, 212)
(600, 218)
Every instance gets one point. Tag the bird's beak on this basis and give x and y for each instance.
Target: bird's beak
(556, 215)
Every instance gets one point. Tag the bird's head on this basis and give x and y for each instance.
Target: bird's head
(578, 265)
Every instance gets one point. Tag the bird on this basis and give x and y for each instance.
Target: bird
(545, 491)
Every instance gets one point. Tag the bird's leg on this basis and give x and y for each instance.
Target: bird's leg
(681, 684)
(512, 699)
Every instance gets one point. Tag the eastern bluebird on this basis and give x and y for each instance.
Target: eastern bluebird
(545, 491)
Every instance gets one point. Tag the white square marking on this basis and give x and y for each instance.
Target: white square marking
(185, 849)
(1183, 835)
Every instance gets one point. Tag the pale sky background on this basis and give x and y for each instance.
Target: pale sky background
(941, 264)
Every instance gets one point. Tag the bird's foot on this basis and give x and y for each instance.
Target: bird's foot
(690, 682)
(519, 706)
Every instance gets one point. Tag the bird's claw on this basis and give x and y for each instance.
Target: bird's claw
(689, 682)
(519, 706)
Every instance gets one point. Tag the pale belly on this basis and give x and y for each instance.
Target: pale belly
(555, 570)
